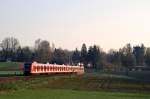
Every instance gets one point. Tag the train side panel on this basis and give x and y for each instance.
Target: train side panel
(37, 68)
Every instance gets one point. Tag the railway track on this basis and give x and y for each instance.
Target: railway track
(22, 77)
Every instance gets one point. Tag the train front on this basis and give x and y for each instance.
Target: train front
(27, 68)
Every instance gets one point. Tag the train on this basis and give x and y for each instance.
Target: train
(40, 68)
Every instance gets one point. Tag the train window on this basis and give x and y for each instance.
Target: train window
(64, 69)
(55, 68)
(38, 68)
(50, 68)
(26, 65)
(47, 68)
(41, 68)
(44, 68)
(34, 68)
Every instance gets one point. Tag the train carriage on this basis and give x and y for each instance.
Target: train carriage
(39, 68)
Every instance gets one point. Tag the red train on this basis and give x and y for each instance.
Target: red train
(39, 68)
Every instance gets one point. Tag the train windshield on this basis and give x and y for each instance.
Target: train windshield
(27, 68)
(26, 65)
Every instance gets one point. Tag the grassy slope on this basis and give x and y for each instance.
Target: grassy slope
(69, 88)
(70, 94)
(74, 83)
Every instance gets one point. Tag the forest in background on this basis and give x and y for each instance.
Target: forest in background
(92, 57)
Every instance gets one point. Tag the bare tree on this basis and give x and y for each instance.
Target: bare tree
(9, 46)
(43, 51)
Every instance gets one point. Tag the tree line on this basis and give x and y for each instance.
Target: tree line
(91, 57)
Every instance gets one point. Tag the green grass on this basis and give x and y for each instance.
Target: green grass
(70, 94)
(92, 86)
(60, 87)
(10, 66)
(10, 72)
(73, 83)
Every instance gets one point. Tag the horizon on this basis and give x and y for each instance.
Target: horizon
(110, 24)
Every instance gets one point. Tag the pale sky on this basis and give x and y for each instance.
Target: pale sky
(69, 23)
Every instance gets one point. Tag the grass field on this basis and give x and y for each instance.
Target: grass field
(60, 87)
(70, 94)
(89, 86)
(11, 68)
(10, 73)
